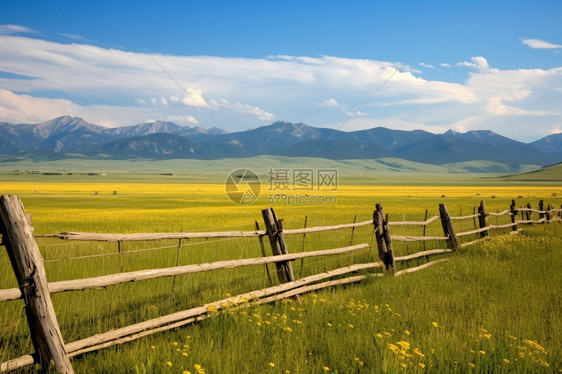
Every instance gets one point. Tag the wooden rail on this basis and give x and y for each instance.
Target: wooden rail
(135, 276)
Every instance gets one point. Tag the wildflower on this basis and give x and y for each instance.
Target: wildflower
(287, 371)
(184, 354)
(329, 324)
(393, 348)
(259, 323)
(360, 363)
(470, 364)
(174, 343)
(271, 365)
(505, 360)
(418, 352)
(186, 372)
(404, 345)
(421, 365)
(404, 365)
(379, 336)
(434, 324)
(406, 332)
(288, 329)
(325, 368)
(387, 334)
(153, 347)
(168, 363)
(482, 352)
(350, 326)
(197, 367)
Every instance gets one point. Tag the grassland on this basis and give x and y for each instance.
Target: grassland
(494, 306)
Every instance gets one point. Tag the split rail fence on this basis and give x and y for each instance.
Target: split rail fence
(51, 350)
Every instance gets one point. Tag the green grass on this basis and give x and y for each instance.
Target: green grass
(384, 170)
(491, 297)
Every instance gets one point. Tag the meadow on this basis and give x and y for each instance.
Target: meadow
(492, 306)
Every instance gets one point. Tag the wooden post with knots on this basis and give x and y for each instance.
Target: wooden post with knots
(448, 229)
(27, 263)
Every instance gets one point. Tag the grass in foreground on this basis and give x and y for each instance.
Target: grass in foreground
(501, 297)
(495, 307)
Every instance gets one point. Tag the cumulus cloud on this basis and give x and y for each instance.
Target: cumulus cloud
(540, 44)
(478, 62)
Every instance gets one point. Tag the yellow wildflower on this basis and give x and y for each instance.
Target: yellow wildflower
(153, 347)
(393, 348)
(406, 332)
(379, 336)
(271, 365)
(325, 368)
(329, 324)
(404, 365)
(418, 352)
(470, 364)
(404, 345)
(168, 363)
(186, 372)
(184, 354)
(482, 352)
(421, 365)
(350, 326)
(434, 324)
(505, 360)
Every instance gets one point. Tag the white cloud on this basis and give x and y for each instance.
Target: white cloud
(539, 44)
(478, 62)
(445, 65)
(14, 29)
(97, 83)
(194, 97)
(331, 102)
(427, 65)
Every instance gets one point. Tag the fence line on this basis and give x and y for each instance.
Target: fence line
(288, 287)
(135, 276)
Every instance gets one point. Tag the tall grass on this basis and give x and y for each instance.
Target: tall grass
(494, 306)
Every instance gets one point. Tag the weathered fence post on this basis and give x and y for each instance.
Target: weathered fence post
(483, 218)
(548, 213)
(384, 243)
(263, 252)
(448, 229)
(274, 229)
(528, 212)
(28, 267)
(352, 230)
(513, 211)
(541, 208)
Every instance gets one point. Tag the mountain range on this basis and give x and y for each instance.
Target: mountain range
(68, 136)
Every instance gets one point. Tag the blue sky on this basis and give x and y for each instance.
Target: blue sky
(431, 65)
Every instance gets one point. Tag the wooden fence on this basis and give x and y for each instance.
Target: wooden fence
(50, 349)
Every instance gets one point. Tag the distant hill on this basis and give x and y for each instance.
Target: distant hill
(549, 173)
(76, 137)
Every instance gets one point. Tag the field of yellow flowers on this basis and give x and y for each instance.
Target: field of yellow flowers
(492, 307)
